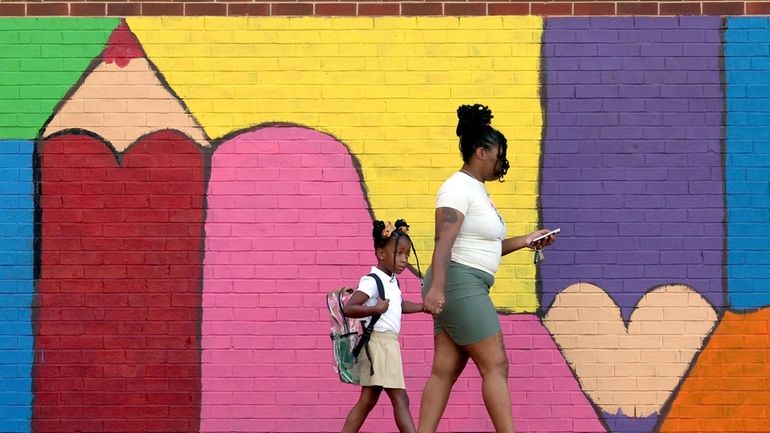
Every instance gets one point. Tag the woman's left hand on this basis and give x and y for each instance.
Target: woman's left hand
(542, 242)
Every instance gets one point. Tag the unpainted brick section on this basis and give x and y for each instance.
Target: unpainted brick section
(422, 8)
(379, 9)
(382, 8)
(757, 8)
(637, 8)
(48, 9)
(162, 9)
(336, 9)
(248, 9)
(465, 9)
(296, 9)
(13, 9)
(88, 9)
(124, 9)
(205, 9)
(556, 8)
(724, 8)
(594, 8)
(679, 8)
(508, 8)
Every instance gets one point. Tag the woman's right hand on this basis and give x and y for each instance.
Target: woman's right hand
(434, 301)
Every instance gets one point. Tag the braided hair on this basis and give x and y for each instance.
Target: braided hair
(401, 230)
(475, 130)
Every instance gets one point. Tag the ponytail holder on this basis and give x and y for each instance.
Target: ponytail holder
(388, 230)
(403, 227)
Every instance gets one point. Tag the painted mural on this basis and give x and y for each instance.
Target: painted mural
(179, 194)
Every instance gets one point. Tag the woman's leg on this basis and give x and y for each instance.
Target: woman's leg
(448, 362)
(489, 356)
(365, 404)
(400, 401)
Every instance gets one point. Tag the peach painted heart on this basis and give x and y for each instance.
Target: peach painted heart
(630, 369)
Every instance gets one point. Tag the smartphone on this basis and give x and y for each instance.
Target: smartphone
(551, 233)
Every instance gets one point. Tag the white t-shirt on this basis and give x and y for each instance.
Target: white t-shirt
(391, 319)
(479, 243)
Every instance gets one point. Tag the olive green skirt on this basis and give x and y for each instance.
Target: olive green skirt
(468, 316)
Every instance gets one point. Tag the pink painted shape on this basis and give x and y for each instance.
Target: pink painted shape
(549, 397)
(545, 395)
(287, 222)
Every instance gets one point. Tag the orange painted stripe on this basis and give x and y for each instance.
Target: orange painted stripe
(728, 387)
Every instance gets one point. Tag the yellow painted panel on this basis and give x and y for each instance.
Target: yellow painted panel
(388, 87)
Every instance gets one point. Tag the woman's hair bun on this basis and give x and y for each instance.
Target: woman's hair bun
(472, 119)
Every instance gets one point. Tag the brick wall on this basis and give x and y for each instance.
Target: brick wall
(89, 8)
(179, 193)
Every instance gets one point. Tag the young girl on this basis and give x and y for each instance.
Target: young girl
(392, 246)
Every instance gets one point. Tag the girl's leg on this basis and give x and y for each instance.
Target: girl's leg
(448, 362)
(400, 401)
(365, 404)
(489, 356)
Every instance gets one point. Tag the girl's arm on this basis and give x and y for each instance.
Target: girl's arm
(356, 310)
(448, 223)
(408, 307)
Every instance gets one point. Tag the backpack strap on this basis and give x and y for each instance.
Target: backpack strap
(341, 305)
(380, 286)
(363, 342)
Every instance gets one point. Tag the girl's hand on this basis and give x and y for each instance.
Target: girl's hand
(542, 242)
(382, 306)
(434, 301)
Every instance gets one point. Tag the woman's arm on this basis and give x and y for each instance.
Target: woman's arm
(516, 243)
(448, 223)
(356, 310)
(408, 307)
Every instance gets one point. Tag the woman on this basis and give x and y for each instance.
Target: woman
(470, 241)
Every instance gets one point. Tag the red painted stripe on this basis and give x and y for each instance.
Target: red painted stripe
(118, 339)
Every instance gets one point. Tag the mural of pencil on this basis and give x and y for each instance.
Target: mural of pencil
(121, 194)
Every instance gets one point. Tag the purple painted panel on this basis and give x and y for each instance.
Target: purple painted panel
(632, 168)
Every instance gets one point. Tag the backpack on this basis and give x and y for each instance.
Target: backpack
(348, 335)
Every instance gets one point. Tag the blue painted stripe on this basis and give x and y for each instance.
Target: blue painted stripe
(16, 285)
(747, 55)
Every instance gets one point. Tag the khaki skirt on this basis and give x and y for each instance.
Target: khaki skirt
(386, 362)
